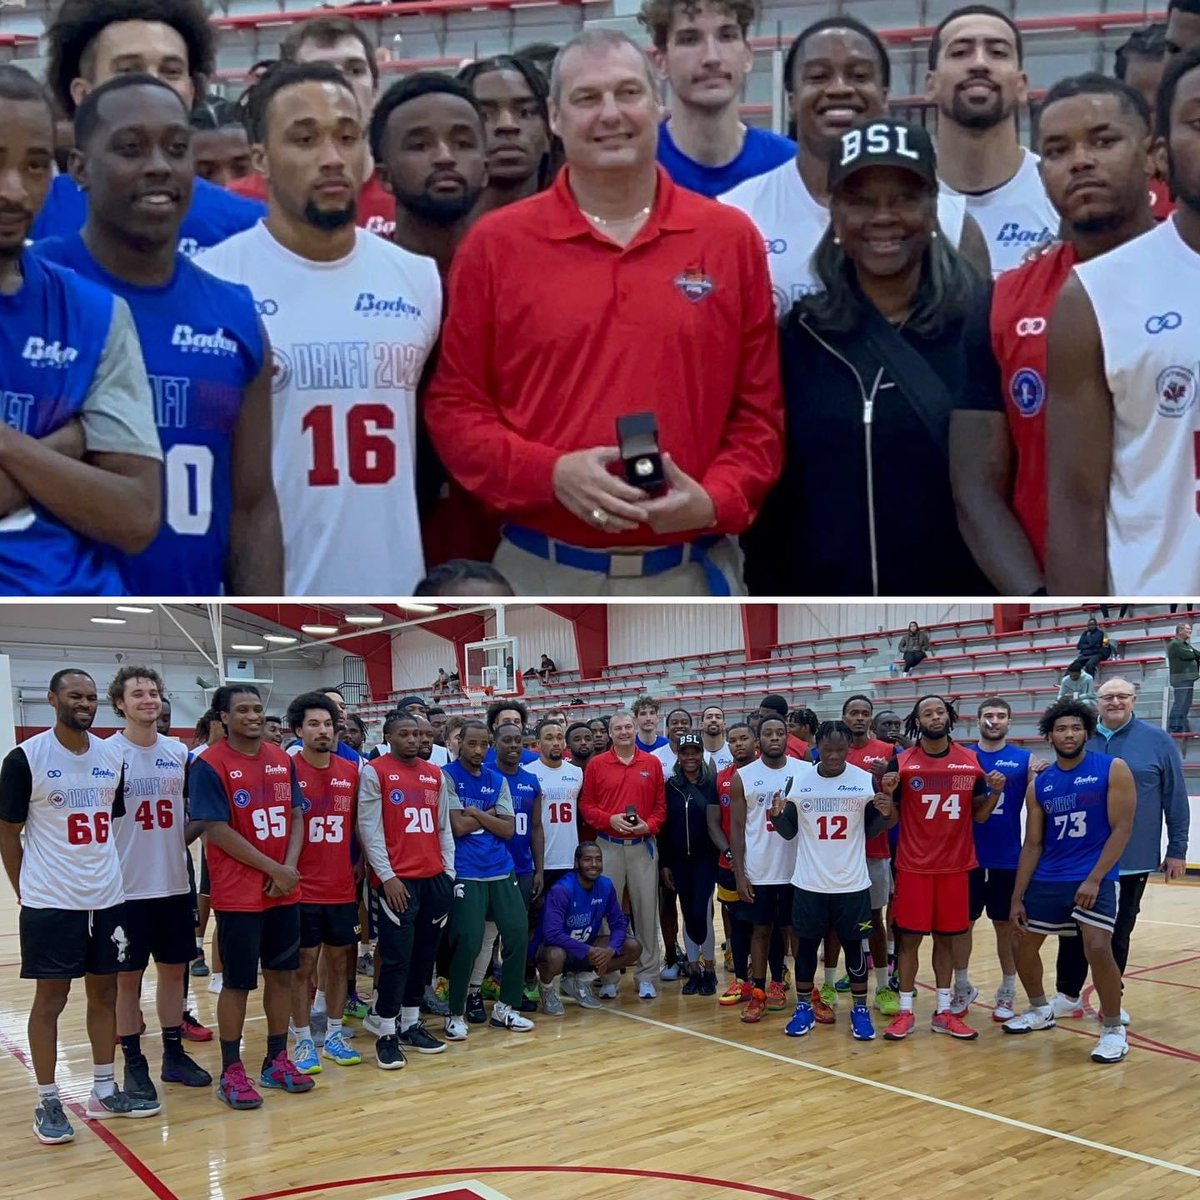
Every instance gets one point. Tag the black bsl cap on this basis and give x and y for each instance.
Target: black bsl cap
(883, 143)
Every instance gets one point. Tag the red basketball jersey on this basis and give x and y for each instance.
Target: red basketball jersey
(936, 818)
(329, 799)
(724, 782)
(410, 816)
(261, 792)
(867, 757)
(1022, 302)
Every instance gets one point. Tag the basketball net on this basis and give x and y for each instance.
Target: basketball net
(479, 697)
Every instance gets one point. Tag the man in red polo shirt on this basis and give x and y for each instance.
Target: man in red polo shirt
(1094, 141)
(344, 44)
(624, 799)
(612, 294)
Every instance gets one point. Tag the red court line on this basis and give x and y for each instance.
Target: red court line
(110, 1139)
(705, 1181)
(1179, 962)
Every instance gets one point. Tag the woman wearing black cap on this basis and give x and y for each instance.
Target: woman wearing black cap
(689, 858)
(871, 368)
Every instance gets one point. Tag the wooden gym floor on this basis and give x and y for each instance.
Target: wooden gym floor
(666, 1100)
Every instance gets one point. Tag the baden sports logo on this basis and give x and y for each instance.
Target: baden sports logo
(378, 306)
(189, 341)
(42, 353)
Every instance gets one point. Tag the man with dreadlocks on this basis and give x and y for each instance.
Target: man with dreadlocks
(938, 787)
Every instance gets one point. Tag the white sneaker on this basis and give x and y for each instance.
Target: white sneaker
(1111, 1048)
(215, 983)
(670, 974)
(646, 991)
(608, 991)
(1126, 1019)
(962, 999)
(1005, 1006)
(1064, 1006)
(504, 1017)
(456, 1029)
(579, 991)
(1031, 1021)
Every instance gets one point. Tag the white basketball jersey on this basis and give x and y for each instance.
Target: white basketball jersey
(350, 340)
(439, 755)
(667, 756)
(792, 223)
(719, 759)
(770, 858)
(150, 836)
(70, 858)
(560, 795)
(1016, 217)
(1146, 296)
(831, 848)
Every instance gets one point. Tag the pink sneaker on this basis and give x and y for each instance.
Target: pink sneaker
(235, 1089)
(901, 1026)
(955, 1026)
(284, 1074)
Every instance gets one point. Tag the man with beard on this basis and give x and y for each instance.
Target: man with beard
(557, 834)
(203, 343)
(976, 79)
(581, 743)
(67, 880)
(512, 95)
(1123, 414)
(712, 729)
(1094, 141)
(944, 791)
(352, 320)
(427, 135)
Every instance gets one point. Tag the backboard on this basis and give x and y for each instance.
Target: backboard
(493, 664)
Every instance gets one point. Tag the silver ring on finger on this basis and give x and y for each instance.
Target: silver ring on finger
(600, 517)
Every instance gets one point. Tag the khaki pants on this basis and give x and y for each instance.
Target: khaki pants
(534, 576)
(636, 868)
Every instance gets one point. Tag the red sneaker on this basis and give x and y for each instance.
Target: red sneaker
(947, 1022)
(901, 1027)
(776, 996)
(738, 992)
(282, 1073)
(193, 1031)
(821, 1011)
(757, 1006)
(235, 1089)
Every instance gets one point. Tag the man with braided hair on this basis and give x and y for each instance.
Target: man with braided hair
(938, 787)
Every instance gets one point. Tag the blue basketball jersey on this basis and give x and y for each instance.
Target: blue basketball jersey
(1076, 806)
(214, 215)
(481, 854)
(583, 911)
(52, 335)
(203, 347)
(526, 791)
(998, 839)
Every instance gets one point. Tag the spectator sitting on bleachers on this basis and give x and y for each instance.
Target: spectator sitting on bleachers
(1078, 685)
(1093, 648)
(914, 646)
(546, 670)
(441, 685)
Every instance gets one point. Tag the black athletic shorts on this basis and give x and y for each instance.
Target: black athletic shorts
(848, 914)
(192, 893)
(329, 924)
(772, 905)
(66, 943)
(992, 889)
(205, 888)
(246, 939)
(162, 926)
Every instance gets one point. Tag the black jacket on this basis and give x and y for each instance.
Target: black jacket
(684, 834)
(847, 482)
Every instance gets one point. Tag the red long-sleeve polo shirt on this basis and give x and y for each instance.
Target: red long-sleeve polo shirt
(554, 332)
(611, 786)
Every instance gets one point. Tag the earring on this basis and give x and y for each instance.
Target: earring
(934, 234)
(837, 241)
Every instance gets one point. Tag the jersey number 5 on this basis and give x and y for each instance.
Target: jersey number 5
(370, 455)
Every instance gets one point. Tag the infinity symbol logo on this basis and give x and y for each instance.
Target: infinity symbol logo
(1160, 324)
(775, 245)
(1031, 326)
(267, 308)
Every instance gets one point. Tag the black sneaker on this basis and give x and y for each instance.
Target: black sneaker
(692, 987)
(476, 1014)
(138, 1084)
(417, 1037)
(183, 1069)
(708, 983)
(388, 1055)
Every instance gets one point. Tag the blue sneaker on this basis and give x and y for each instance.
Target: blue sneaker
(50, 1122)
(305, 1057)
(861, 1025)
(336, 1050)
(843, 984)
(802, 1020)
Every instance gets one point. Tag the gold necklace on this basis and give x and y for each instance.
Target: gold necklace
(605, 221)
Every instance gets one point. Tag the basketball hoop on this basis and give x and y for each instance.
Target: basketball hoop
(478, 697)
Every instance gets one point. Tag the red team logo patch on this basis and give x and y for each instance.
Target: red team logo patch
(694, 284)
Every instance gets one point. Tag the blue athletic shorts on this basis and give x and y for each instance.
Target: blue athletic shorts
(1050, 907)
